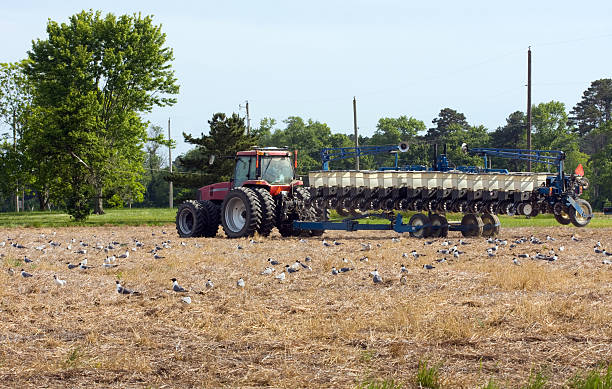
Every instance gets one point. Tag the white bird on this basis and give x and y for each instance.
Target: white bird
(428, 267)
(377, 279)
(108, 265)
(186, 299)
(83, 267)
(240, 283)
(267, 270)
(598, 244)
(26, 259)
(296, 265)
(25, 274)
(84, 261)
(157, 256)
(561, 248)
(110, 259)
(59, 282)
(576, 239)
(606, 262)
(125, 255)
(289, 269)
(416, 255)
(325, 243)
(122, 290)
(516, 261)
(2, 244)
(404, 255)
(395, 240)
(548, 237)
(366, 247)
(176, 287)
(280, 276)
(11, 271)
(403, 269)
(334, 271)
(363, 259)
(345, 269)
(209, 284)
(523, 255)
(374, 273)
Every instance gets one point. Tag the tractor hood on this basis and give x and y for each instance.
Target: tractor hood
(214, 191)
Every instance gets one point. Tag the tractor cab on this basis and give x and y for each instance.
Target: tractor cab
(272, 165)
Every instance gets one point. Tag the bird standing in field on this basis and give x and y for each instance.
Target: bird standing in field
(122, 290)
(176, 287)
(240, 283)
(25, 274)
(59, 282)
(209, 284)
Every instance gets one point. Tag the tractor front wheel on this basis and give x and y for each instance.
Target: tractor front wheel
(240, 213)
(190, 220)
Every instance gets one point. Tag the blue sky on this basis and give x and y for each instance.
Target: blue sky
(397, 57)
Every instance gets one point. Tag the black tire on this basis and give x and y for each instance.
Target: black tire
(575, 217)
(439, 226)
(190, 220)
(490, 226)
(240, 213)
(421, 226)
(212, 213)
(268, 211)
(312, 213)
(471, 225)
(563, 218)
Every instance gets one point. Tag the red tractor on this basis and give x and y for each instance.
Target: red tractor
(263, 193)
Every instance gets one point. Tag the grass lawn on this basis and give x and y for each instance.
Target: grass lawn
(166, 216)
(131, 217)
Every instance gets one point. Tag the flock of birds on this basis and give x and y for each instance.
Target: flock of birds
(449, 251)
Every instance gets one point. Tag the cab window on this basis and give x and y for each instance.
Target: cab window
(244, 170)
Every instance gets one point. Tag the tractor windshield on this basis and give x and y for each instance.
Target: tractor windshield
(277, 170)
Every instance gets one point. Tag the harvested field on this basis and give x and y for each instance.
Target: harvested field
(476, 317)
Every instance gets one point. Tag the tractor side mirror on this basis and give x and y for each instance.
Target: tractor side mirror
(211, 159)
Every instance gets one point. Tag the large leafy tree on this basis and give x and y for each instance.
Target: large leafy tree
(392, 131)
(15, 110)
(93, 77)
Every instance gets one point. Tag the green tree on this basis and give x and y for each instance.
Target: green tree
(227, 136)
(15, 109)
(392, 131)
(93, 78)
(446, 118)
(595, 107)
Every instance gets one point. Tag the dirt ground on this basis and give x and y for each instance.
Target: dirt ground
(476, 317)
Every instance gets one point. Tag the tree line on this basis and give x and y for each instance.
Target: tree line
(77, 140)
(584, 134)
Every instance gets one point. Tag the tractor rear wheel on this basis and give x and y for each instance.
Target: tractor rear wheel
(268, 211)
(190, 219)
(240, 213)
(576, 218)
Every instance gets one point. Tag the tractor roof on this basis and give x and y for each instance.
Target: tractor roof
(271, 151)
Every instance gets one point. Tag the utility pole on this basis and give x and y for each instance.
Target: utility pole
(170, 189)
(15, 150)
(248, 119)
(529, 105)
(356, 134)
